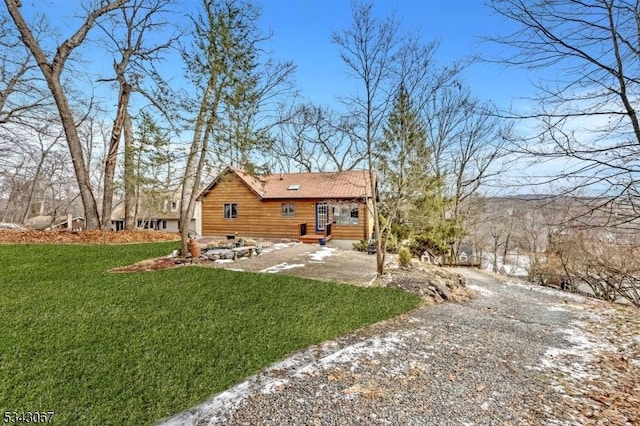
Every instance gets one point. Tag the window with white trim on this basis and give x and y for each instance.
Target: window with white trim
(346, 214)
(230, 211)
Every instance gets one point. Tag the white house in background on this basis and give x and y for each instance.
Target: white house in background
(159, 211)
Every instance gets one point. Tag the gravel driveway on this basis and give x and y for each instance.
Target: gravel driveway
(310, 261)
(516, 354)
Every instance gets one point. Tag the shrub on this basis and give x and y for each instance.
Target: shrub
(401, 230)
(392, 244)
(404, 257)
(422, 243)
(360, 245)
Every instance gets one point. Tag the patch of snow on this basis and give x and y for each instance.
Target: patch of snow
(277, 246)
(321, 254)
(556, 308)
(515, 271)
(230, 398)
(281, 267)
(574, 360)
(280, 246)
(351, 354)
(273, 386)
(235, 269)
(373, 279)
(483, 291)
(223, 261)
(549, 291)
(217, 409)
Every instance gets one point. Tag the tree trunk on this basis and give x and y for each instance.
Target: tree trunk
(110, 161)
(10, 201)
(92, 219)
(505, 252)
(193, 171)
(129, 175)
(186, 212)
(36, 176)
(380, 247)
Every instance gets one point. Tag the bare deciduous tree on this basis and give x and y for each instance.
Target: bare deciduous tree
(129, 33)
(52, 69)
(586, 108)
(22, 94)
(46, 142)
(369, 49)
(604, 260)
(314, 138)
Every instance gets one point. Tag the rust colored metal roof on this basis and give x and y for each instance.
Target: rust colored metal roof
(352, 184)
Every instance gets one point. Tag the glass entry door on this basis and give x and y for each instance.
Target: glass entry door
(322, 216)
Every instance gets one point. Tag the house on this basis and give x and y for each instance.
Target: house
(306, 206)
(77, 224)
(157, 210)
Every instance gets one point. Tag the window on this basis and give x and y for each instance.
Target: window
(346, 214)
(353, 219)
(174, 206)
(288, 210)
(230, 211)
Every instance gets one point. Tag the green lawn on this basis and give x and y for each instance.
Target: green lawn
(104, 348)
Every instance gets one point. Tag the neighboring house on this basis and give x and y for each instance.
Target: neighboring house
(306, 206)
(466, 256)
(77, 224)
(158, 211)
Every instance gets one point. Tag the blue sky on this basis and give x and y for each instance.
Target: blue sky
(302, 32)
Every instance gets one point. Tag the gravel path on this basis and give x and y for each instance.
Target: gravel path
(516, 354)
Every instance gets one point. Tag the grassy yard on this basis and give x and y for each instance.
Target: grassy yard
(104, 348)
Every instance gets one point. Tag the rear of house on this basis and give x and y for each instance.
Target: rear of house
(306, 206)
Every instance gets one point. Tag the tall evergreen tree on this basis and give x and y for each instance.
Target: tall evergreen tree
(403, 158)
(151, 165)
(413, 193)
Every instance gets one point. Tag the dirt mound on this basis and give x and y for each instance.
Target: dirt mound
(86, 237)
(431, 283)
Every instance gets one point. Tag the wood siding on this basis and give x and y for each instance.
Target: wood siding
(263, 218)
